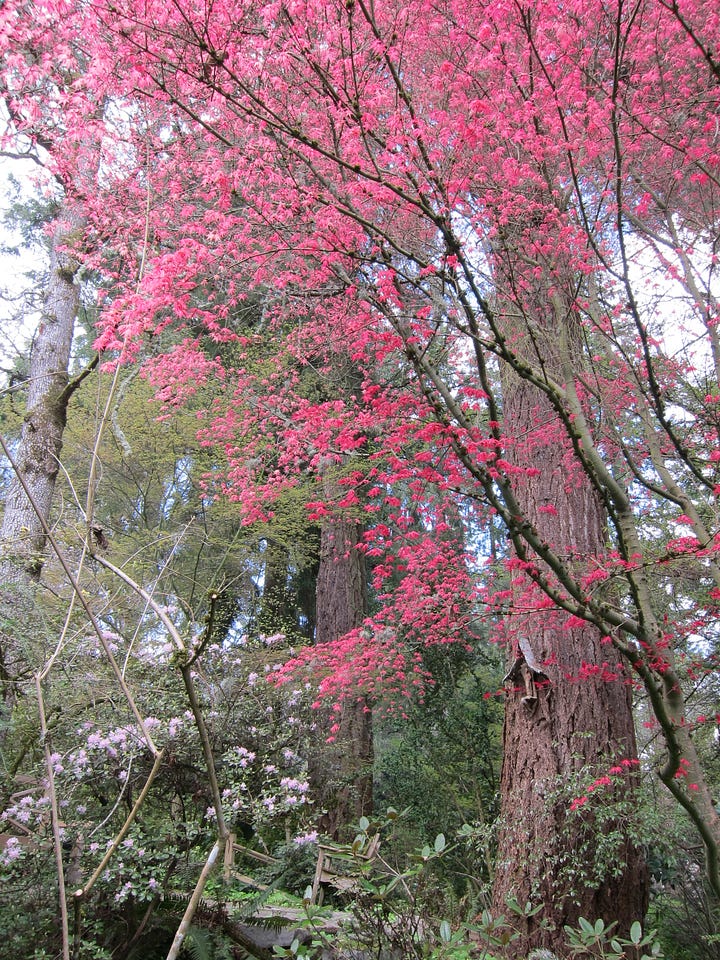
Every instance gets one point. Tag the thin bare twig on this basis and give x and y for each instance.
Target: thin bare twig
(83, 892)
(55, 820)
(83, 601)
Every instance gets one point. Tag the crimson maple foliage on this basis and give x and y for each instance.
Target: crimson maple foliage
(452, 197)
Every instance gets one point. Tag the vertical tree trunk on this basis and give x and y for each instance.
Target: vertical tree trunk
(568, 716)
(38, 455)
(22, 537)
(342, 772)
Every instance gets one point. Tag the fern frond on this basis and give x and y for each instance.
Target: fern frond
(198, 944)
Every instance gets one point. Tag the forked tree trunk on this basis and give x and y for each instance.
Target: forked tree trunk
(342, 772)
(38, 454)
(37, 458)
(568, 716)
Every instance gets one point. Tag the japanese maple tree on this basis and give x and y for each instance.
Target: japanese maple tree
(508, 216)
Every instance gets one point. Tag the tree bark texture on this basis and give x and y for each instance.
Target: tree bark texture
(38, 454)
(568, 714)
(37, 459)
(342, 773)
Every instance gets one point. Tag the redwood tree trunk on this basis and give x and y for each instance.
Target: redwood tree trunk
(568, 719)
(342, 772)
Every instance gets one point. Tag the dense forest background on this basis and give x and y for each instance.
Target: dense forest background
(360, 465)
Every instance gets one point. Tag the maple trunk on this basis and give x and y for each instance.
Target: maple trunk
(343, 770)
(568, 713)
